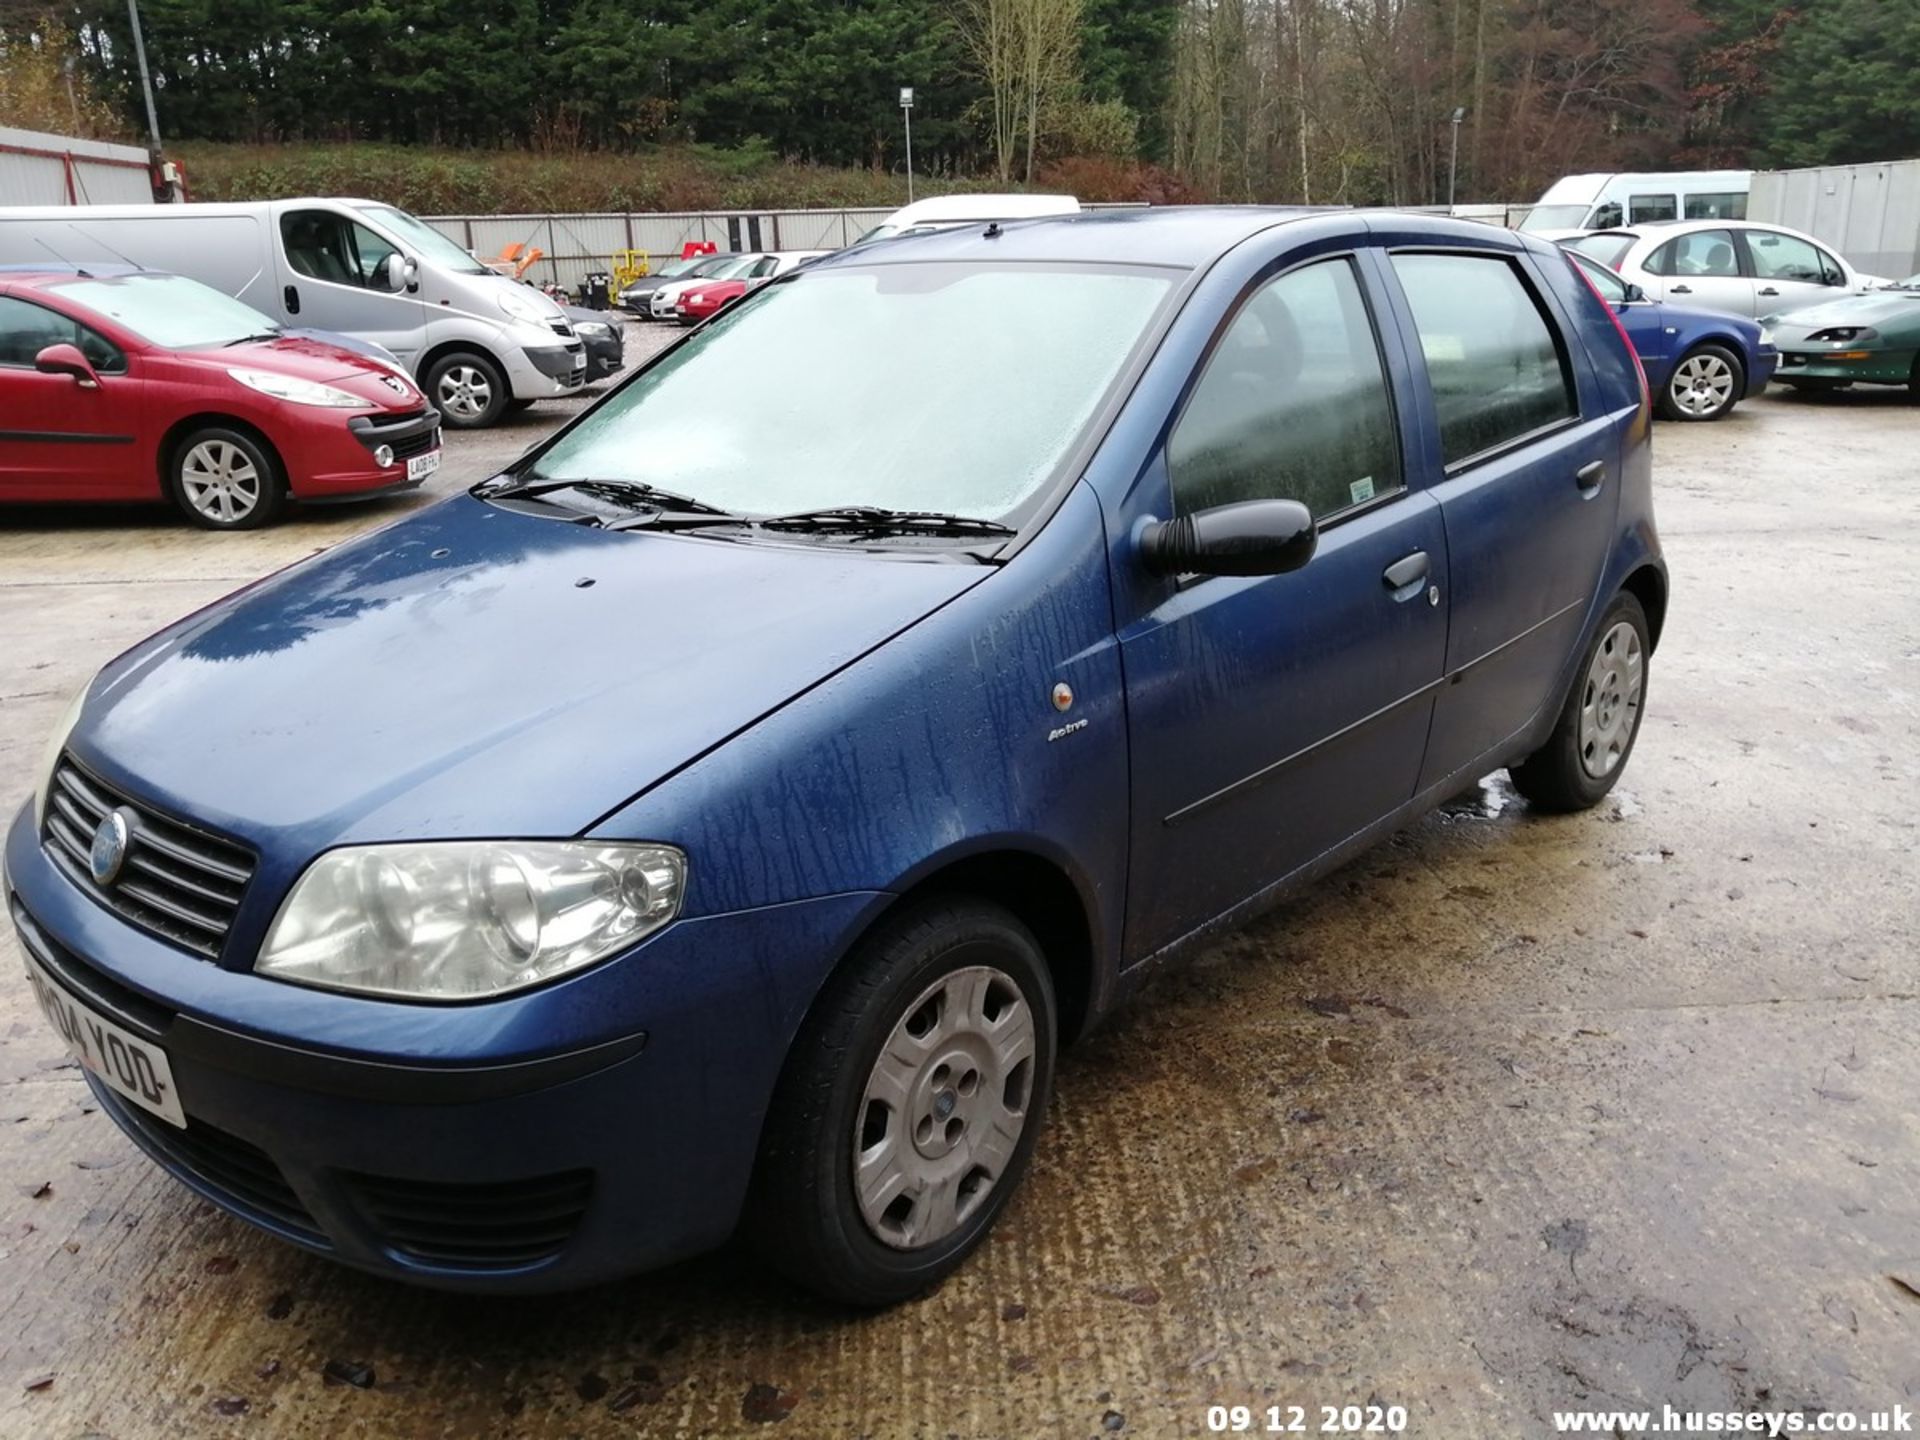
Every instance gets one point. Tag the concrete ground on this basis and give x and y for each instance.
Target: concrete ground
(1514, 1114)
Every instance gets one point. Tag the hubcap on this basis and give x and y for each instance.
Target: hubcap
(464, 391)
(1610, 703)
(220, 481)
(944, 1107)
(1702, 385)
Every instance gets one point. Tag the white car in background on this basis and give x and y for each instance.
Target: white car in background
(948, 212)
(1738, 267)
(736, 267)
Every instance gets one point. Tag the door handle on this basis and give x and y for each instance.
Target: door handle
(1681, 290)
(292, 297)
(1589, 476)
(1770, 291)
(1403, 573)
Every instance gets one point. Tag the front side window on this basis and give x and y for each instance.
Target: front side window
(440, 249)
(1787, 257)
(1612, 288)
(1293, 404)
(1496, 367)
(1730, 206)
(1705, 254)
(26, 329)
(1642, 208)
(898, 386)
(325, 245)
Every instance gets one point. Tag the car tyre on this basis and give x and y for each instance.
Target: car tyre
(467, 389)
(226, 479)
(1706, 385)
(886, 1154)
(1595, 733)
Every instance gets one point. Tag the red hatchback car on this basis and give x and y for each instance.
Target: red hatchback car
(138, 386)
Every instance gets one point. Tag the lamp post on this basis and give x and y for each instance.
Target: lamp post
(146, 80)
(906, 117)
(1453, 159)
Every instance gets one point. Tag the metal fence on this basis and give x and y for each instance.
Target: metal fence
(39, 169)
(573, 246)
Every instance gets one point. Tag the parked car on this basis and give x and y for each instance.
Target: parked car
(604, 335)
(708, 297)
(1699, 363)
(477, 341)
(634, 297)
(664, 301)
(945, 212)
(141, 386)
(701, 268)
(1861, 340)
(1575, 204)
(1735, 267)
(746, 849)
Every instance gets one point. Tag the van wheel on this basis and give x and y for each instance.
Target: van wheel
(226, 480)
(909, 1105)
(1594, 735)
(467, 389)
(1705, 384)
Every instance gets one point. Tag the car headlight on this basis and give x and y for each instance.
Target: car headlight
(50, 757)
(524, 307)
(1843, 334)
(592, 327)
(1766, 335)
(300, 392)
(466, 920)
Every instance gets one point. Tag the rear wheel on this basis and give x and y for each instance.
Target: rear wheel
(225, 479)
(1706, 384)
(909, 1105)
(468, 390)
(1594, 735)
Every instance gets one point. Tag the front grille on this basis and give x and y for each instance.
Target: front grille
(178, 882)
(243, 1176)
(409, 434)
(501, 1226)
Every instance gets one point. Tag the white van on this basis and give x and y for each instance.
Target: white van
(947, 212)
(1576, 204)
(478, 342)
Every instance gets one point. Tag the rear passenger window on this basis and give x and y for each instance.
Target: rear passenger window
(1293, 404)
(1642, 208)
(1706, 253)
(1496, 367)
(1730, 206)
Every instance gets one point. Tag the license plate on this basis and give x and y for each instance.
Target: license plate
(421, 466)
(126, 1064)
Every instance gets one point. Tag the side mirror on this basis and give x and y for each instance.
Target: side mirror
(1634, 294)
(64, 359)
(1253, 537)
(403, 273)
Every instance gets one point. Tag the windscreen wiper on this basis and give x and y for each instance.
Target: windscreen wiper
(877, 520)
(253, 339)
(627, 492)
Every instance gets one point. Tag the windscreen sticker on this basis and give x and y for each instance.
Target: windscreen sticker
(1443, 347)
(1361, 490)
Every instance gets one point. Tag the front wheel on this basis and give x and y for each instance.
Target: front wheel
(1600, 721)
(468, 390)
(1705, 385)
(225, 479)
(909, 1105)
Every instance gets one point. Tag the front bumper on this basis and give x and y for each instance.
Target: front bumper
(606, 355)
(600, 1125)
(540, 372)
(328, 458)
(1873, 367)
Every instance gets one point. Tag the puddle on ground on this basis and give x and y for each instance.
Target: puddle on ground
(1485, 801)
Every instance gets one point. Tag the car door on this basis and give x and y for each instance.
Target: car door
(61, 438)
(1272, 717)
(1701, 268)
(1790, 273)
(1526, 481)
(334, 275)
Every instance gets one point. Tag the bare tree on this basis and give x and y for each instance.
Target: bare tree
(1027, 54)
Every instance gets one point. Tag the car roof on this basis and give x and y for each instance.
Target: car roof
(1175, 235)
(36, 275)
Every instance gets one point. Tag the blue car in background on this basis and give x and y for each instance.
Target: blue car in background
(724, 814)
(1699, 363)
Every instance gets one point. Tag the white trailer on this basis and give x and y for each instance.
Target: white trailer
(42, 169)
(1869, 213)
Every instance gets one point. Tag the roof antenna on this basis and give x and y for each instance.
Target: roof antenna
(992, 232)
(61, 258)
(125, 259)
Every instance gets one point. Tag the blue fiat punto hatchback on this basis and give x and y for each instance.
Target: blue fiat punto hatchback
(724, 815)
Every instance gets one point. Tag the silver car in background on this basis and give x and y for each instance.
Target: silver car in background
(1738, 267)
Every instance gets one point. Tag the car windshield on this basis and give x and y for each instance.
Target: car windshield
(1912, 282)
(428, 242)
(677, 267)
(937, 387)
(169, 310)
(1608, 248)
(1555, 217)
(734, 268)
